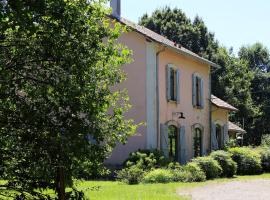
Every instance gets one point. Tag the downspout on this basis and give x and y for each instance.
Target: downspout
(157, 96)
(210, 108)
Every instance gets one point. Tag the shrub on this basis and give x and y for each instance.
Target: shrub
(174, 166)
(181, 176)
(227, 164)
(158, 176)
(248, 161)
(210, 166)
(146, 159)
(266, 140)
(265, 158)
(196, 173)
(130, 175)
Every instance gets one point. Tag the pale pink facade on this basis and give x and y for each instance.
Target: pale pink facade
(146, 99)
(170, 93)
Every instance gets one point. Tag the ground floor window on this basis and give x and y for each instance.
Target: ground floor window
(173, 144)
(219, 135)
(197, 142)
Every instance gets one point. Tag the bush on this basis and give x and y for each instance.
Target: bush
(146, 159)
(130, 175)
(181, 176)
(265, 158)
(210, 166)
(248, 161)
(196, 173)
(158, 176)
(174, 166)
(266, 140)
(227, 164)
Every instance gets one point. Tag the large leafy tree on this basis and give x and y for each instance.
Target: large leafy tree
(233, 82)
(58, 63)
(176, 26)
(257, 57)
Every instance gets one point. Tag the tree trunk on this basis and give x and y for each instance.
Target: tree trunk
(60, 183)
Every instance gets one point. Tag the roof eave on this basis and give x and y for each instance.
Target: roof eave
(226, 108)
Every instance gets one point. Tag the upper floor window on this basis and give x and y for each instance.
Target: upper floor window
(197, 91)
(173, 84)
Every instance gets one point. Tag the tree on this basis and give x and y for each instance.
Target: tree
(258, 58)
(174, 24)
(58, 63)
(234, 83)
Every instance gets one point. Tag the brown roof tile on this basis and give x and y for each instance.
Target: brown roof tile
(222, 104)
(235, 128)
(164, 41)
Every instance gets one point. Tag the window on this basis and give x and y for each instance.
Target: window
(173, 84)
(219, 135)
(197, 91)
(197, 142)
(173, 92)
(173, 144)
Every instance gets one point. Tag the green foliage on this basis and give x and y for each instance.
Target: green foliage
(265, 157)
(257, 57)
(174, 166)
(224, 159)
(196, 173)
(247, 159)
(130, 175)
(158, 176)
(176, 26)
(266, 140)
(146, 159)
(210, 166)
(231, 143)
(57, 107)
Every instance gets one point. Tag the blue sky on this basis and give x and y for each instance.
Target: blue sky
(234, 22)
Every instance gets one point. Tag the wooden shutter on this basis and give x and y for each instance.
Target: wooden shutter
(214, 142)
(182, 157)
(225, 134)
(201, 93)
(164, 139)
(178, 86)
(194, 90)
(168, 84)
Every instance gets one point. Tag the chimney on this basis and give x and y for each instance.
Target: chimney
(116, 8)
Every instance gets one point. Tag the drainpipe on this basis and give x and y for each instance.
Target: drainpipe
(157, 96)
(210, 108)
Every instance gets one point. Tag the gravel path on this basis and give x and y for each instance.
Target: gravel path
(258, 189)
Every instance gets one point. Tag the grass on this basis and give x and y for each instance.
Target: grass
(109, 190)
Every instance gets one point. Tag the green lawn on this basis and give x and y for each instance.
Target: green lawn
(109, 190)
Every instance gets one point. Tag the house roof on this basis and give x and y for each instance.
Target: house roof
(233, 127)
(222, 104)
(164, 41)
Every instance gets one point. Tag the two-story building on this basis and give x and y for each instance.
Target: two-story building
(170, 92)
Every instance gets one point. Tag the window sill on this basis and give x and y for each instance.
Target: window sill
(172, 101)
(198, 107)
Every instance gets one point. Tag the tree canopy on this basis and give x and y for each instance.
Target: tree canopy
(57, 107)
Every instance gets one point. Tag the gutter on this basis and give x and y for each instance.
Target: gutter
(157, 96)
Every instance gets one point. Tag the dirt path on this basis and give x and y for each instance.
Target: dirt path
(258, 189)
